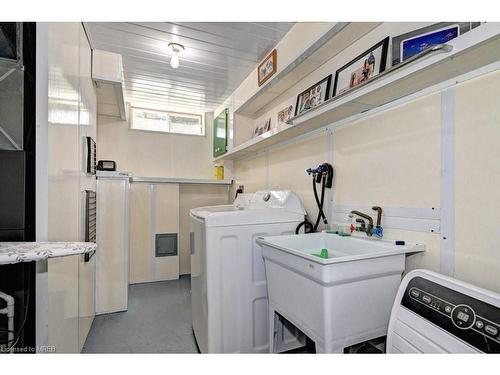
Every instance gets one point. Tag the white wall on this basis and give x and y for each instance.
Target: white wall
(155, 154)
(477, 181)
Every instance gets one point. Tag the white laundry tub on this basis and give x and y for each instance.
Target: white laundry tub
(339, 301)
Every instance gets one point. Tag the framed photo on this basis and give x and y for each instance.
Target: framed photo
(267, 125)
(412, 46)
(285, 114)
(367, 65)
(262, 128)
(313, 96)
(428, 35)
(267, 67)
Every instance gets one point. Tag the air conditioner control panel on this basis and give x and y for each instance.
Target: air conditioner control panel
(469, 319)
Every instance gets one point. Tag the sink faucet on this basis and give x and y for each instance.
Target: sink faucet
(369, 229)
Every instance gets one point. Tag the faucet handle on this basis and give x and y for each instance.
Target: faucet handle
(378, 231)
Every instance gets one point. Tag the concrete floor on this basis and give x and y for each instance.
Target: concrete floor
(158, 320)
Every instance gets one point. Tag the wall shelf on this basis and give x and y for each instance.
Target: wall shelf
(190, 181)
(472, 51)
(334, 41)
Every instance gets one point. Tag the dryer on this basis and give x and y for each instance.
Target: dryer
(228, 282)
(433, 313)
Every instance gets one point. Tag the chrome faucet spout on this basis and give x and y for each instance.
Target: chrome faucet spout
(368, 229)
(364, 216)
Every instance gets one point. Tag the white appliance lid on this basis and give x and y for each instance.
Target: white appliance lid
(273, 206)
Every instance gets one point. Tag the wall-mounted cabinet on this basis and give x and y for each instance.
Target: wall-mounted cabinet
(107, 73)
(220, 133)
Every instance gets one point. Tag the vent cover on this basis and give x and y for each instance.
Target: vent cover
(90, 216)
(166, 245)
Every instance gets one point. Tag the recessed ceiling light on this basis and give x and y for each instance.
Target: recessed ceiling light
(176, 50)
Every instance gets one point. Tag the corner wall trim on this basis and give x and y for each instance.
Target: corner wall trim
(153, 207)
(447, 260)
(330, 192)
(41, 134)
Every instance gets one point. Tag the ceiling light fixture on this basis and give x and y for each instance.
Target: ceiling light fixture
(176, 50)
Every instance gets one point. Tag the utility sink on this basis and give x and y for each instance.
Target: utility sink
(340, 300)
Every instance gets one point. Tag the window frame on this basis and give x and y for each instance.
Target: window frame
(168, 113)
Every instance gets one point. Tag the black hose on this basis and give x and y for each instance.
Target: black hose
(308, 227)
(320, 206)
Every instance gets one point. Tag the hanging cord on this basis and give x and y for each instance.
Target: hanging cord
(26, 305)
(10, 343)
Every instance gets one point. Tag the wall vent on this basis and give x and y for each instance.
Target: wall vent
(166, 245)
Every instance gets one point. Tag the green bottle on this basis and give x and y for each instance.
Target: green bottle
(324, 253)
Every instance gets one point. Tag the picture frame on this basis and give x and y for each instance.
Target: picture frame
(267, 68)
(464, 27)
(285, 114)
(262, 128)
(362, 68)
(313, 96)
(414, 45)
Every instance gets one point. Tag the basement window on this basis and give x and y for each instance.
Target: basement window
(166, 121)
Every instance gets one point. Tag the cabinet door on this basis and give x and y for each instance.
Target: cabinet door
(86, 297)
(220, 133)
(112, 253)
(63, 304)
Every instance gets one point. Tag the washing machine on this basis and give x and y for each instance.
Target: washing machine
(228, 282)
(433, 313)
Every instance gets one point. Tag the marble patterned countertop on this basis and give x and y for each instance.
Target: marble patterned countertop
(17, 252)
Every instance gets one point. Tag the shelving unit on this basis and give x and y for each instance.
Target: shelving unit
(431, 69)
(339, 37)
(11, 82)
(7, 67)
